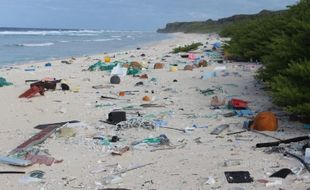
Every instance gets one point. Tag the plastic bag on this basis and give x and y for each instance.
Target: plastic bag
(118, 70)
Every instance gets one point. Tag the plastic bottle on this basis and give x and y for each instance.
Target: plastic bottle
(231, 162)
(113, 179)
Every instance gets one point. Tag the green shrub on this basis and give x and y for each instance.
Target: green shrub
(291, 88)
(187, 48)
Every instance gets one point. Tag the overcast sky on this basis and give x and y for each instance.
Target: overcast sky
(123, 14)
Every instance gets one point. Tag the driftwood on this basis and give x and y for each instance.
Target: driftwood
(266, 135)
(12, 172)
(167, 148)
(286, 141)
(219, 129)
(43, 126)
(238, 132)
(151, 105)
(172, 128)
(133, 168)
(108, 97)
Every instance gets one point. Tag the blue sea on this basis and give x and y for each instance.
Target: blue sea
(18, 45)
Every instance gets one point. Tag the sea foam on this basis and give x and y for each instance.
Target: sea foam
(36, 44)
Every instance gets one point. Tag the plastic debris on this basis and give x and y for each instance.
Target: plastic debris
(48, 65)
(232, 162)
(12, 172)
(306, 126)
(28, 179)
(113, 179)
(133, 71)
(120, 151)
(174, 68)
(196, 126)
(160, 123)
(3, 82)
(274, 183)
(203, 63)
(14, 161)
(115, 79)
(307, 155)
(158, 66)
(119, 71)
(116, 117)
(238, 177)
(282, 173)
(244, 113)
(188, 67)
(107, 59)
(238, 104)
(37, 174)
(135, 123)
(216, 102)
(265, 121)
(102, 66)
(219, 129)
(210, 181)
(208, 74)
(160, 140)
(67, 132)
(40, 159)
(146, 98)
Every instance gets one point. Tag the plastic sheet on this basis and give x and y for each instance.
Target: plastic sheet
(3, 82)
(118, 70)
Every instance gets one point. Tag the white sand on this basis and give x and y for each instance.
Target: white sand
(180, 168)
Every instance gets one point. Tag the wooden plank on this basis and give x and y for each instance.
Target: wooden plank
(38, 138)
(219, 129)
(43, 126)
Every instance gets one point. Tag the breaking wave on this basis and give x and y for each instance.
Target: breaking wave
(53, 33)
(102, 40)
(36, 45)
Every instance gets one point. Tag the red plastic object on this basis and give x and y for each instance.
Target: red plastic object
(40, 159)
(32, 92)
(238, 104)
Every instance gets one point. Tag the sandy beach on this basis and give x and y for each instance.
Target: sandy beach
(194, 160)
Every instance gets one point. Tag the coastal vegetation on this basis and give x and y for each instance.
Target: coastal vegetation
(209, 26)
(282, 44)
(187, 48)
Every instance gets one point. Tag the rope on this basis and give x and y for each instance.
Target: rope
(135, 123)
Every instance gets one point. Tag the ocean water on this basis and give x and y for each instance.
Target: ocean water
(25, 45)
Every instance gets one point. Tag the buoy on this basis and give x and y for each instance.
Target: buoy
(265, 121)
(146, 99)
(107, 59)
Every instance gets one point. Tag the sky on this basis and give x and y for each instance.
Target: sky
(143, 15)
